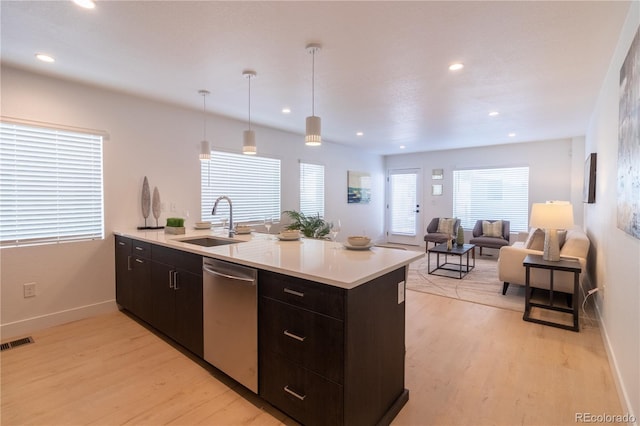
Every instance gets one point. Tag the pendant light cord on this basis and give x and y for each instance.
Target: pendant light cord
(204, 115)
(313, 83)
(249, 102)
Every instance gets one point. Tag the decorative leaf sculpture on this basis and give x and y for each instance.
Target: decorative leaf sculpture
(145, 200)
(156, 204)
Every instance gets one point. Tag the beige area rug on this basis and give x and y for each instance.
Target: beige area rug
(481, 285)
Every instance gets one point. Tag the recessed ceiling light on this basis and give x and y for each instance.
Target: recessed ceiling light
(511, 135)
(402, 147)
(493, 113)
(87, 4)
(456, 66)
(44, 58)
(286, 110)
(359, 134)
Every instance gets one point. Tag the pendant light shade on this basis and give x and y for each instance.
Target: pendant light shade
(249, 136)
(313, 133)
(205, 150)
(313, 136)
(249, 142)
(205, 147)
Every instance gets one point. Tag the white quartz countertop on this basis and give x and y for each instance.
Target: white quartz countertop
(317, 260)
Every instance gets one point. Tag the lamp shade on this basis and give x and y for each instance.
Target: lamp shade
(249, 142)
(313, 135)
(205, 150)
(551, 215)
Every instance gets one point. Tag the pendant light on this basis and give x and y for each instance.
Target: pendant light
(249, 136)
(312, 136)
(205, 147)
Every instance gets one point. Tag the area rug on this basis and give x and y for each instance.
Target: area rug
(481, 285)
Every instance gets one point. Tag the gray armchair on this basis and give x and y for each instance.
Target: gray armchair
(481, 240)
(435, 237)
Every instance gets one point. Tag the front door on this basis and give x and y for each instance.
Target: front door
(403, 208)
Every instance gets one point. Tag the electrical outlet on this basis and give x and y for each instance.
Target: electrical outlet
(29, 289)
(400, 292)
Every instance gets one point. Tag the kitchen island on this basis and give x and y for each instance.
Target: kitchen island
(330, 320)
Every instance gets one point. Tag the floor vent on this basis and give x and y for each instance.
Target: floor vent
(16, 343)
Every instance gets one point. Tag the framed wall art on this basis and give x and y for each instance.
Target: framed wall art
(628, 196)
(358, 187)
(589, 189)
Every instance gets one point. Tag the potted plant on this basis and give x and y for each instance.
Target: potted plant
(175, 225)
(309, 226)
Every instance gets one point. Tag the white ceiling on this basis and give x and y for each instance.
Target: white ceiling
(383, 68)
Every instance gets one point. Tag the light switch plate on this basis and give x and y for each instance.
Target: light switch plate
(400, 292)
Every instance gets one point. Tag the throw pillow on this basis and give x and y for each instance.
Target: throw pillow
(445, 225)
(562, 237)
(535, 241)
(492, 229)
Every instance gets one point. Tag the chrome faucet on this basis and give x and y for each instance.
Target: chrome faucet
(213, 212)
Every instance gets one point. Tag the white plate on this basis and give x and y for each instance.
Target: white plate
(202, 227)
(283, 238)
(351, 247)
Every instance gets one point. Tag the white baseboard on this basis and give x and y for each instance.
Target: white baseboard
(29, 325)
(627, 408)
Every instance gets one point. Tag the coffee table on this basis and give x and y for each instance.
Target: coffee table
(460, 252)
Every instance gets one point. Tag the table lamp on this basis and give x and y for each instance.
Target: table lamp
(551, 216)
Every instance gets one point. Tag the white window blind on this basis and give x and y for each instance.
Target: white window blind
(492, 194)
(312, 189)
(251, 182)
(50, 185)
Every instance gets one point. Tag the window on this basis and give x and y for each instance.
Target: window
(312, 189)
(50, 186)
(252, 183)
(488, 194)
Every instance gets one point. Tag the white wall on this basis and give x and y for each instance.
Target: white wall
(162, 142)
(616, 270)
(551, 171)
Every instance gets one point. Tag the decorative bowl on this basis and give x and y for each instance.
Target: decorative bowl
(203, 225)
(358, 240)
(290, 233)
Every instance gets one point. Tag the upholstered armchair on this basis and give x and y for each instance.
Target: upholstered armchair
(489, 234)
(439, 232)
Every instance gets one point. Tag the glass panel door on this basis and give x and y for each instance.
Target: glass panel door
(403, 209)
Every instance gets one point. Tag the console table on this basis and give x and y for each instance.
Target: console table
(568, 265)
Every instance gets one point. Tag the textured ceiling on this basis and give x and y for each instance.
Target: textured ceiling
(383, 68)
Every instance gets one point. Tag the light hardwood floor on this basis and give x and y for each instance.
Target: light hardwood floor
(467, 364)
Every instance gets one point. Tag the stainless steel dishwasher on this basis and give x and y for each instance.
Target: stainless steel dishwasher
(230, 319)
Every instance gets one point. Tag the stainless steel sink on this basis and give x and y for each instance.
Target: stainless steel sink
(208, 241)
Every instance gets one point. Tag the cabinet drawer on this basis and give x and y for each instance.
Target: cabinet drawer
(123, 244)
(181, 260)
(140, 249)
(312, 340)
(302, 394)
(316, 297)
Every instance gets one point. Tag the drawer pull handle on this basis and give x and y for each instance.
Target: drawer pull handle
(293, 336)
(297, 395)
(171, 278)
(120, 243)
(295, 293)
(139, 260)
(139, 248)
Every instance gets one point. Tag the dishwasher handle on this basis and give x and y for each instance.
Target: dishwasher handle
(231, 277)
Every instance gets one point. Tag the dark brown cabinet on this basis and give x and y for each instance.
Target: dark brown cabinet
(163, 287)
(133, 276)
(330, 356)
(176, 280)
